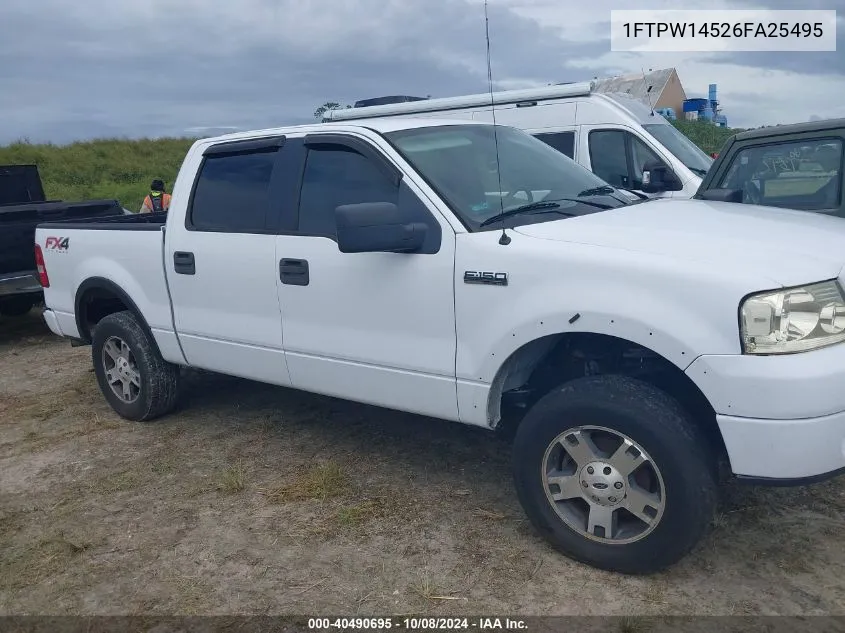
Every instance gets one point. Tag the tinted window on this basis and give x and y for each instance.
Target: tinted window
(231, 194)
(335, 176)
(609, 156)
(564, 142)
(799, 174)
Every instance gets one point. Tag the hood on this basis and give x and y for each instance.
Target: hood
(789, 247)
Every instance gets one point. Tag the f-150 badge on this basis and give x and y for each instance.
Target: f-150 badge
(484, 277)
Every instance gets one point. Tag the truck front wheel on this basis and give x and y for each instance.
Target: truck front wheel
(135, 380)
(615, 474)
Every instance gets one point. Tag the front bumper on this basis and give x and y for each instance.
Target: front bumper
(781, 417)
(23, 282)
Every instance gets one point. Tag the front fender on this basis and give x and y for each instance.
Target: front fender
(679, 310)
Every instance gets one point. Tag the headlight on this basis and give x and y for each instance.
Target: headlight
(793, 319)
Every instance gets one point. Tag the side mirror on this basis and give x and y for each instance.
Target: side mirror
(376, 227)
(657, 177)
(721, 195)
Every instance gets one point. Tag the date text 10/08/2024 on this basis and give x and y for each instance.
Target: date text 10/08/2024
(416, 624)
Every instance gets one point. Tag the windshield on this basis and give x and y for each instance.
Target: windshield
(684, 149)
(459, 162)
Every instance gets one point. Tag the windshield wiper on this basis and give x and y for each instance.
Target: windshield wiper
(698, 170)
(597, 191)
(608, 189)
(542, 206)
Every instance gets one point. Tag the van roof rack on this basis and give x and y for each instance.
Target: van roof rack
(363, 103)
(467, 101)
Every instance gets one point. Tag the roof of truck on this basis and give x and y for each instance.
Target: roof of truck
(377, 125)
(791, 128)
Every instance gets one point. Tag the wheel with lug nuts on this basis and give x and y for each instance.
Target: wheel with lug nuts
(615, 474)
(135, 380)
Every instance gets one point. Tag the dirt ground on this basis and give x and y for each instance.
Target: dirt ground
(260, 500)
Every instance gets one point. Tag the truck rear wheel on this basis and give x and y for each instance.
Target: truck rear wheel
(613, 473)
(135, 380)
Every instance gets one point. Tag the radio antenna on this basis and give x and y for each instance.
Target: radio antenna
(648, 91)
(505, 239)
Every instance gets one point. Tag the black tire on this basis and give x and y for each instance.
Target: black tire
(662, 428)
(159, 380)
(16, 306)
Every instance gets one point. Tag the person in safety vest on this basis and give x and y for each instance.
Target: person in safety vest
(157, 200)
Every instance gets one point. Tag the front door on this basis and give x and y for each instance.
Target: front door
(372, 327)
(618, 156)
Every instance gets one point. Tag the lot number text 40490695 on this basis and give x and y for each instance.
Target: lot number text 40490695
(416, 624)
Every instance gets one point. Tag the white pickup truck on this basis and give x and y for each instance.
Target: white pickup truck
(412, 264)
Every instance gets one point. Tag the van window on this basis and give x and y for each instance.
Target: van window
(692, 156)
(564, 142)
(609, 157)
(804, 174)
(642, 154)
(620, 157)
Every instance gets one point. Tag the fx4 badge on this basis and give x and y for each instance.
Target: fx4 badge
(483, 277)
(57, 243)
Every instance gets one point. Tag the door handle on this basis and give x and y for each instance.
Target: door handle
(183, 263)
(294, 272)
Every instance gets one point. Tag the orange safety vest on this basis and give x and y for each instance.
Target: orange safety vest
(157, 201)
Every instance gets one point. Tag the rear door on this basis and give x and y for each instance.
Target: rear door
(221, 263)
(371, 327)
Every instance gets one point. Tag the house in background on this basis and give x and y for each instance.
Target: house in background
(666, 89)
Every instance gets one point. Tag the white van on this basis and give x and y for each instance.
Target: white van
(614, 136)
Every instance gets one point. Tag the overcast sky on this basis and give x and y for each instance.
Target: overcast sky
(76, 69)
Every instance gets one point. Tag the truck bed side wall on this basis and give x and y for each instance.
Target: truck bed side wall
(131, 260)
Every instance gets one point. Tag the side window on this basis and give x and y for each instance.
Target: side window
(231, 193)
(609, 156)
(564, 142)
(334, 176)
(642, 154)
(803, 174)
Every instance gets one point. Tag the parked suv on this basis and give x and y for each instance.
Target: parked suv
(797, 166)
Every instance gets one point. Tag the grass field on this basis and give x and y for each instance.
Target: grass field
(123, 169)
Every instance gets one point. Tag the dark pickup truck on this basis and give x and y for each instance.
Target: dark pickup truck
(23, 205)
(797, 166)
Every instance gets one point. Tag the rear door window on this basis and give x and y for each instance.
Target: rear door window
(803, 174)
(232, 193)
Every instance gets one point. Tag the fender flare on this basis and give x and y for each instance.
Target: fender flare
(101, 283)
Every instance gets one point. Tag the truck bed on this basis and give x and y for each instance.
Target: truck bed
(135, 222)
(127, 253)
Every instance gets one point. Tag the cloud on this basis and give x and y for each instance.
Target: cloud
(174, 67)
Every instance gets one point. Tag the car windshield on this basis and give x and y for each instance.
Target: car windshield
(684, 149)
(459, 162)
